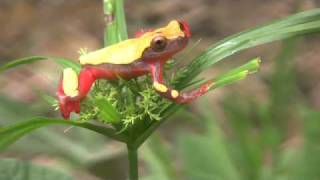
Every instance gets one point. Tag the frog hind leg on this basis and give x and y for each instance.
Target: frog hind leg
(72, 89)
(66, 104)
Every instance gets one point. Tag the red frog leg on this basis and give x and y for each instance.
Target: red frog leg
(69, 103)
(69, 96)
(171, 94)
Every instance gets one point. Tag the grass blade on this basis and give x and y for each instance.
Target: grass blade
(13, 132)
(116, 29)
(25, 170)
(236, 74)
(28, 60)
(212, 160)
(295, 25)
(121, 20)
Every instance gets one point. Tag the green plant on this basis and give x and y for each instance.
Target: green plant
(132, 124)
(259, 143)
(22, 170)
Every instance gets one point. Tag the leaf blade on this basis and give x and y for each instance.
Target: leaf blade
(24, 170)
(295, 25)
(13, 132)
(116, 28)
(31, 59)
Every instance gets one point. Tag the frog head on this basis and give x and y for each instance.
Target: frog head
(166, 41)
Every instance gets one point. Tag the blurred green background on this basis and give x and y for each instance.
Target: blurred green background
(265, 127)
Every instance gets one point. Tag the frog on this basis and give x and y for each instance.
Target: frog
(145, 54)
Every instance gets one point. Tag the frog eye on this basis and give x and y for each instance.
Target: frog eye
(158, 43)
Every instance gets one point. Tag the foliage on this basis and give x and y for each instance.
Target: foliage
(258, 147)
(213, 155)
(23, 170)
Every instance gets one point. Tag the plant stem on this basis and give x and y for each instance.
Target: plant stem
(165, 115)
(116, 28)
(133, 163)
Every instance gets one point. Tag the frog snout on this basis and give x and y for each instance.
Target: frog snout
(184, 26)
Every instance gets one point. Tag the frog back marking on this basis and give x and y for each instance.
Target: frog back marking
(124, 52)
(130, 50)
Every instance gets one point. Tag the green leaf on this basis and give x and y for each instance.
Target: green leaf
(13, 109)
(107, 112)
(252, 66)
(13, 132)
(232, 76)
(27, 60)
(283, 98)
(158, 160)
(236, 74)
(116, 29)
(52, 101)
(65, 63)
(299, 24)
(11, 169)
(206, 156)
(308, 160)
(247, 150)
(229, 79)
(121, 20)
(295, 25)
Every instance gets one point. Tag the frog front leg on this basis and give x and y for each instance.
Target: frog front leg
(172, 94)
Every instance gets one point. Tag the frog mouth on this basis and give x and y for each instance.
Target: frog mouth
(184, 26)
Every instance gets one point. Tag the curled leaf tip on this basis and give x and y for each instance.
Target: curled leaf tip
(245, 74)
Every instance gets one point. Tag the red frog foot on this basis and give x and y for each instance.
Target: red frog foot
(67, 105)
